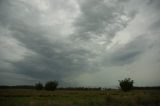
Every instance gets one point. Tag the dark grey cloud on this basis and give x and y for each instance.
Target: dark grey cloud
(127, 54)
(101, 18)
(76, 41)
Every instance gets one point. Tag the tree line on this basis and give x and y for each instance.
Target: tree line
(124, 85)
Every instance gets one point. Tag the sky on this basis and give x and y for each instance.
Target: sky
(90, 43)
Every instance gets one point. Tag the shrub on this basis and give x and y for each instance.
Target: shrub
(51, 85)
(126, 84)
(39, 86)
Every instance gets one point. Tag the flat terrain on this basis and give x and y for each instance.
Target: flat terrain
(26, 97)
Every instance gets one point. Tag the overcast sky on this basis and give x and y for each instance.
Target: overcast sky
(80, 42)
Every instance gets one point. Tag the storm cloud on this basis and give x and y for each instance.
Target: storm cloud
(80, 42)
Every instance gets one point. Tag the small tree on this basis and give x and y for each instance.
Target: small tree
(126, 84)
(39, 86)
(51, 85)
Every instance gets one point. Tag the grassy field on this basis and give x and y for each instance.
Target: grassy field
(22, 97)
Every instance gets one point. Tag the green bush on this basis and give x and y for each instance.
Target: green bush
(126, 84)
(39, 86)
(51, 85)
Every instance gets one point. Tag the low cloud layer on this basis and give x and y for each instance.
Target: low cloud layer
(80, 42)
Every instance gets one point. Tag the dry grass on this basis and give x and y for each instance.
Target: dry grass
(21, 97)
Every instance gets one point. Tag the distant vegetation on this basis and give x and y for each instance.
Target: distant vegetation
(81, 88)
(17, 87)
(126, 84)
(51, 85)
(147, 88)
(77, 88)
(39, 86)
